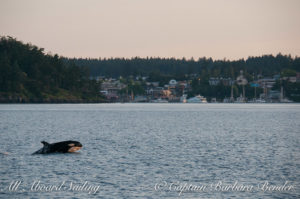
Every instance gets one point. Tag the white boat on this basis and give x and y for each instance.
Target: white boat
(240, 99)
(285, 100)
(257, 101)
(197, 99)
(159, 100)
(228, 100)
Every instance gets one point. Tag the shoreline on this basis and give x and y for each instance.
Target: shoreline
(51, 101)
(107, 102)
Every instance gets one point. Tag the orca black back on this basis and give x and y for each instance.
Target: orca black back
(59, 147)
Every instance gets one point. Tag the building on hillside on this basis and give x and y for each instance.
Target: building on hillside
(172, 82)
(214, 81)
(111, 89)
(266, 82)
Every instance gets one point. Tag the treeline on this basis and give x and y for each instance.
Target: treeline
(165, 69)
(267, 65)
(27, 74)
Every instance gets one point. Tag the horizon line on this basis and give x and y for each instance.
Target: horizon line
(192, 58)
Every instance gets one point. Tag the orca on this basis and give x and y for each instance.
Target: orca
(59, 147)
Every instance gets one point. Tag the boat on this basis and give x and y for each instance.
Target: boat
(257, 101)
(285, 100)
(228, 100)
(197, 99)
(159, 100)
(240, 99)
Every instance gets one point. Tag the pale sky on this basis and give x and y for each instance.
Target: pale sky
(230, 29)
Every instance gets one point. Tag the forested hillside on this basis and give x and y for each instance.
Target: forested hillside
(27, 74)
(267, 65)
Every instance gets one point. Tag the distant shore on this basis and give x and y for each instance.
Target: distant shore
(48, 101)
(81, 101)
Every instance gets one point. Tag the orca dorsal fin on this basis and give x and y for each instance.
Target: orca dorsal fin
(45, 143)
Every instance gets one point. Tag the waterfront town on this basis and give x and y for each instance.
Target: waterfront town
(138, 89)
(52, 79)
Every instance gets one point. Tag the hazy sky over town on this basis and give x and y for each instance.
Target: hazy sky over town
(219, 29)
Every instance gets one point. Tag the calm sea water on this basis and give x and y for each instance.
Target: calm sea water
(151, 150)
